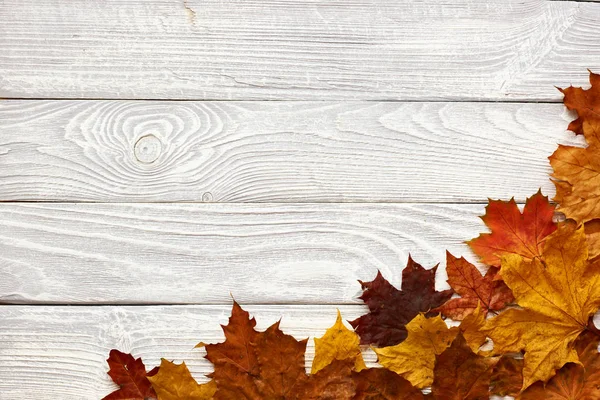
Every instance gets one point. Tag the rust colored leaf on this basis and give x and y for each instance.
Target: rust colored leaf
(332, 382)
(507, 377)
(383, 384)
(512, 232)
(558, 294)
(175, 382)
(585, 102)
(391, 309)
(573, 381)
(130, 374)
(281, 360)
(467, 281)
(461, 374)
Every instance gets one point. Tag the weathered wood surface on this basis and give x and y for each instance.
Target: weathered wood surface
(203, 253)
(60, 352)
(276, 151)
(296, 49)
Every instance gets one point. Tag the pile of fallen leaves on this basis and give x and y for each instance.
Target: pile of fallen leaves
(524, 328)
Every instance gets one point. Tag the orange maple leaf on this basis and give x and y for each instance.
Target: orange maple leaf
(513, 232)
(474, 289)
(585, 102)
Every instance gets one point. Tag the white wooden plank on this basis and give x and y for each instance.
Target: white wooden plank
(203, 253)
(276, 151)
(296, 49)
(59, 352)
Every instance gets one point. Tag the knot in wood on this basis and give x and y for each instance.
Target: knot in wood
(147, 149)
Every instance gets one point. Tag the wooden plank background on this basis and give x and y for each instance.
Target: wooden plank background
(159, 157)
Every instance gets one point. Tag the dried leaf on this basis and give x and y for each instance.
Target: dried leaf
(573, 381)
(338, 343)
(174, 382)
(383, 384)
(130, 374)
(334, 382)
(513, 232)
(585, 102)
(471, 329)
(461, 374)
(467, 281)
(391, 309)
(558, 293)
(414, 358)
(507, 377)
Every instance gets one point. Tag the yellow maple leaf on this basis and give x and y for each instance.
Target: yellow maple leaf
(471, 327)
(558, 293)
(338, 343)
(414, 358)
(174, 382)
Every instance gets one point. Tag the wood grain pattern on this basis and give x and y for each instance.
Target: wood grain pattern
(60, 352)
(204, 253)
(296, 49)
(276, 151)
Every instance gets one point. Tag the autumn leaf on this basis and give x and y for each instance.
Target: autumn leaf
(461, 374)
(130, 374)
(513, 232)
(507, 376)
(414, 358)
(585, 102)
(471, 327)
(383, 384)
(558, 293)
(333, 382)
(391, 309)
(174, 382)
(281, 360)
(338, 343)
(573, 381)
(467, 281)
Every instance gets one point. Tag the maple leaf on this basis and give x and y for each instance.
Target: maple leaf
(558, 293)
(513, 232)
(471, 327)
(461, 374)
(573, 381)
(338, 343)
(130, 374)
(391, 309)
(281, 360)
(333, 382)
(507, 376)
(467, 281)
(585, 102)
(383, 384)
(414, 358)
(175, 382)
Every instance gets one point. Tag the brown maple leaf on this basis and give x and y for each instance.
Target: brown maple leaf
(467, 281)
(585, 102)
(391, 309)
(256, 365)
(461, 374)
(573, 381)
(507, 377)
(130, 374)
(513, 232)
(333, 382)
(383, 384)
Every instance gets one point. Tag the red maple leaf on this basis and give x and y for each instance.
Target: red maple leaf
(391, 309)
(130, 374)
